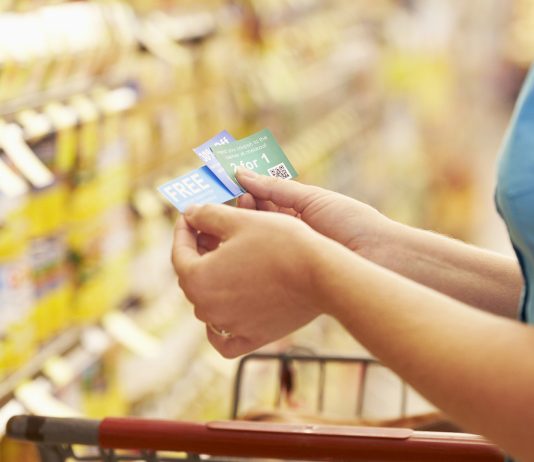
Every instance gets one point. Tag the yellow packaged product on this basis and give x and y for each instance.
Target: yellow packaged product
(100, 234)
(64, 122)
(14, 42)
(48, 243)
(17, 333)
(86, 230)
(7, 62)
(115, 179)
(45, 213)
(101, 393)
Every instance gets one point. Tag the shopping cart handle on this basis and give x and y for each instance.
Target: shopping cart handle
(259, 440)
(52, 430)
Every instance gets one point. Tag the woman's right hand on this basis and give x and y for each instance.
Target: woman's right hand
(353, 224)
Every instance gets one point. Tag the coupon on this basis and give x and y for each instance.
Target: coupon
(215, 182)
(258, 152)
(200, 186)
(206, 155)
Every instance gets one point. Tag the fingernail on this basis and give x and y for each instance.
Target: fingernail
(191, 209)
(246, 173)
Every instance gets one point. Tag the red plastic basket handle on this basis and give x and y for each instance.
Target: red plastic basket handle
(299, 442)
(261, 440)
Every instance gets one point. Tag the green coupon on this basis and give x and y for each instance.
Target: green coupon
(259, 152)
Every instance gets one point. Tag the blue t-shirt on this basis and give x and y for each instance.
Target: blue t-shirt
(515, 191)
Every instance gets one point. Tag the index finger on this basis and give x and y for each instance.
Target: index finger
(282, 193)
(246, 201)
(184, 249)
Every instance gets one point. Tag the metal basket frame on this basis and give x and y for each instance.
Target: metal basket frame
(305, 355)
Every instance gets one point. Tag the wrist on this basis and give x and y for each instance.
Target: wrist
(382, 247)
(330, 267)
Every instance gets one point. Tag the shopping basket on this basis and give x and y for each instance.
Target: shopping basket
(133, 439)
(151, 440)
(285, 362)
(289, 363)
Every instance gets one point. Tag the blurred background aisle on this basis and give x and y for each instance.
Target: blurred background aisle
(399, 103)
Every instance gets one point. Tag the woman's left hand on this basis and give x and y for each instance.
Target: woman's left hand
(257, 285)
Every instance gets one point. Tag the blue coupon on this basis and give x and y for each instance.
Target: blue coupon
(200, 186)
(206, 155)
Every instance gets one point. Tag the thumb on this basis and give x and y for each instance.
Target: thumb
(283, 193)
(220, 221)
(184, 249)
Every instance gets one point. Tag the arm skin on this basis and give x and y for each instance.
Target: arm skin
(472, 275)
(475, 276)
(475, 366)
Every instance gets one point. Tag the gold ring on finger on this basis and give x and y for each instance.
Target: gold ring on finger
(218, 331)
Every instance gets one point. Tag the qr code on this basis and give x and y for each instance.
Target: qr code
(280, 171)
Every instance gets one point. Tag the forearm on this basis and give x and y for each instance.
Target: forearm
(473, 365)
(472, 275)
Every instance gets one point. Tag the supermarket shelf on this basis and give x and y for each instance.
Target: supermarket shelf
(186, 338)
(164, 36)
(311, 145)
(183, 29)
(286, 15)
(73, 351)
(37, 100)
(192, 27)
(58, 346)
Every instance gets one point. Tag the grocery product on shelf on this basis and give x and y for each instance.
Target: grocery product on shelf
(17, 335)
(56, 163)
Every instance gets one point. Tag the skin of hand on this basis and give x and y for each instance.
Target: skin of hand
(471, 364)
(355, 225)
(475, 276)
(238, 286)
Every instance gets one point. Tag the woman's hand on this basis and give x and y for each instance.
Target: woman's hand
(257, 284)
(475, 276)
(353, 224)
